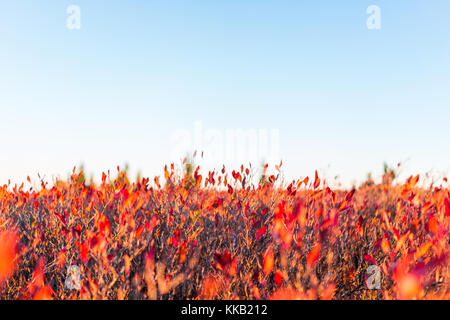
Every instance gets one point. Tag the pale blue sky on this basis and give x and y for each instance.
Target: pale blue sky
(344, 98)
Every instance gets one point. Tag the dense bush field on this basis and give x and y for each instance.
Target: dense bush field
(184, 236)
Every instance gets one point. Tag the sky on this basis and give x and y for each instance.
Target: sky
(135, 83)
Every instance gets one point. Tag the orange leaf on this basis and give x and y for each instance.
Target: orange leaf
(423, 249)
(268, 262)
(43, 294)
(385, 245)
(157, 182)
(408, 287)
(8, 252)
(61, 258)
(313, 256)
(305, 181)
(432, 225)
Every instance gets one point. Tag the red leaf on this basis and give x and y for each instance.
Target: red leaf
(261, 232)
(349, 195)
(316, 181)
(176, 237)
(84, 250)
(447, 207)
(226, 263)
(223, 259)
(370, 259)
(278, 278)
(139, 231)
